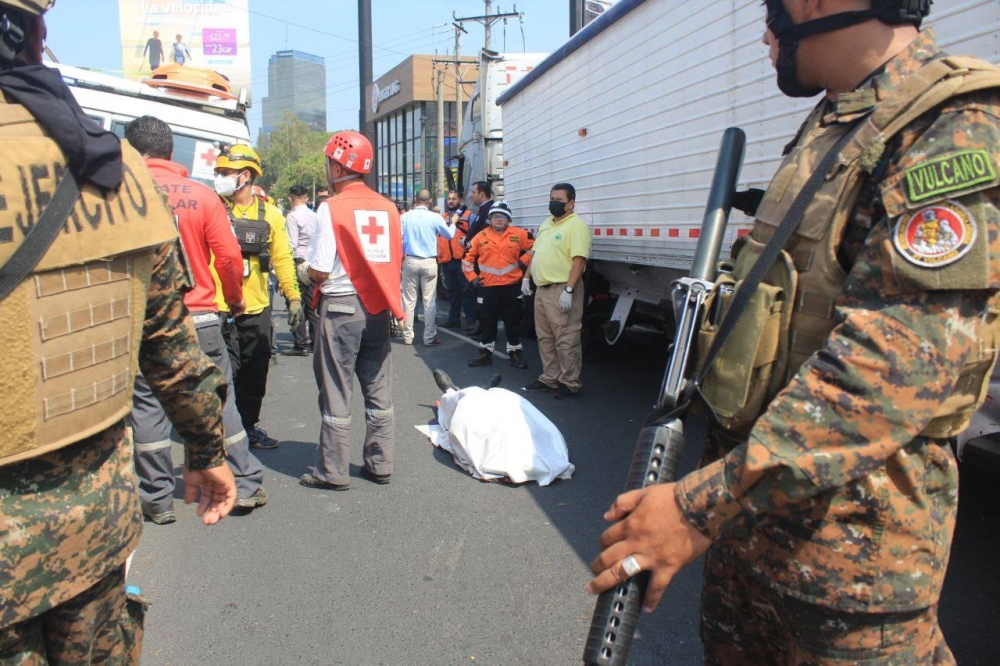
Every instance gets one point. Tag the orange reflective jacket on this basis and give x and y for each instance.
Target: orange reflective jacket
(501, 256)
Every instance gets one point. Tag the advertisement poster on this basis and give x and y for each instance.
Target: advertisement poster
(200, 33)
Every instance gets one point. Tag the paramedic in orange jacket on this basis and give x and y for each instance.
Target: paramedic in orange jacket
(502, 253)
(450, 254)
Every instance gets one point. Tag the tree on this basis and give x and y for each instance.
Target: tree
(282, 151)
(309, 171)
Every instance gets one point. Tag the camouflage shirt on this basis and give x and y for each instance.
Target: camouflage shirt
(70, 517)
(835, 498)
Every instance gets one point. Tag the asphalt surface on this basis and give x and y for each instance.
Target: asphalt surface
(438, 568)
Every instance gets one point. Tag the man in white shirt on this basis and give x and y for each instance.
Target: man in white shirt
(301, 225)
(421, 229)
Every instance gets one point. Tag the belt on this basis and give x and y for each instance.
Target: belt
(415, 256)
(205, 317)
(551, 284)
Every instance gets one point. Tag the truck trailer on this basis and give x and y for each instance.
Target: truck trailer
(630, 111)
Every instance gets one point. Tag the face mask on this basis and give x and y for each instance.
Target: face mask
(225, 186)
(557, 208)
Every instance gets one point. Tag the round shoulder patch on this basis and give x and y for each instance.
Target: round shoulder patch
(935, 236)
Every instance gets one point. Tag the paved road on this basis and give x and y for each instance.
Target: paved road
(437, 568)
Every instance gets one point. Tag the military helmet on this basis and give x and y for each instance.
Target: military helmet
(32, 7)
(239, 157)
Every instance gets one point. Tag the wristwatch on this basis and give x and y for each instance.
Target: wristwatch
(568, 289)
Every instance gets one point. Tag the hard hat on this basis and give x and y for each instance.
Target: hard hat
(351, 150)
(33, 7)
(239, 157)
(501, 208)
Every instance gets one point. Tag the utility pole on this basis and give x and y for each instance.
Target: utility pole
(365, 124)
(458, 81)
(440, 184)
(488, 19)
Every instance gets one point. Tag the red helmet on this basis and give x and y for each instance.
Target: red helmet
(351, 150)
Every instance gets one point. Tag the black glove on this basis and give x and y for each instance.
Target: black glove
(748, 200)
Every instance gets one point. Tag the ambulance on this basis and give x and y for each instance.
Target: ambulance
(199, 105)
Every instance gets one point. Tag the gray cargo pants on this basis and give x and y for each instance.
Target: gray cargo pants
(351, 341)
(153, 434)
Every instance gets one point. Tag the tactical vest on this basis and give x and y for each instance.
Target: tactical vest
(72, 328)
(792, 313)
(254, 236)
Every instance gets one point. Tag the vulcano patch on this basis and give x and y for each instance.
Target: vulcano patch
(946, 175)
(935, 236)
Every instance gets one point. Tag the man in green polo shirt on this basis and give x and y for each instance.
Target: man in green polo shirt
(560, 254)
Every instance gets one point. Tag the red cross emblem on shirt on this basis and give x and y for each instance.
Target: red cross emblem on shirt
(373, 230)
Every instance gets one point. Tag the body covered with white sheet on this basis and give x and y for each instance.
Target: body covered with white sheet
(496, 434)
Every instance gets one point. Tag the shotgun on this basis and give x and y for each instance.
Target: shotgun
(661, 440)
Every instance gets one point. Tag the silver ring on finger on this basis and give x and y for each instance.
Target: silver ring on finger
(630, 566)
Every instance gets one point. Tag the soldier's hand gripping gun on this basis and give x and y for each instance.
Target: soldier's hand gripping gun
(661, 440)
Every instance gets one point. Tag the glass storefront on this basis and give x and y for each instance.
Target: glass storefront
(407, 149)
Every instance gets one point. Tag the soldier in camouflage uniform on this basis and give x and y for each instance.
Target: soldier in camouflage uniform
(828, 495)
(110, 281)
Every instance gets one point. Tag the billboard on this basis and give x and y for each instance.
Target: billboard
(202, 33)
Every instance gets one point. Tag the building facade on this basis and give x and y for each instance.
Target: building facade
(404, 106)
(296, 84)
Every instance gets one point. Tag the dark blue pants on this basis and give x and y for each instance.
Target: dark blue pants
(456, 285)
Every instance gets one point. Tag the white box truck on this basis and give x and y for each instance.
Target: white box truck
(480, 146)
(631, 110)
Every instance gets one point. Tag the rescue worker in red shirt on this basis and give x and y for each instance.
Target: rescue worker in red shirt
(502, 253)
(356, 258)
(205, 231)
(450, 254)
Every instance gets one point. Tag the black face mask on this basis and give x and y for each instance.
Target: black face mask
(557, 208)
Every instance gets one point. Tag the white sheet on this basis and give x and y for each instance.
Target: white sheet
(497, 434)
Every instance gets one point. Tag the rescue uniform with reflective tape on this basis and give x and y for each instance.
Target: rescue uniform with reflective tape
(205, 230)
(249, 335)
(69, 513)
(358, 241)
(502, 258)
(449, 258)
(842, 494)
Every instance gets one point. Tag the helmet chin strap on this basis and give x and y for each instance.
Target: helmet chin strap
(790, 34)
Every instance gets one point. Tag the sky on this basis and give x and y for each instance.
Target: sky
(86, 34)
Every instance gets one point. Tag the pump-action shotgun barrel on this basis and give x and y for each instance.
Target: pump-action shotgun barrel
(661, 444)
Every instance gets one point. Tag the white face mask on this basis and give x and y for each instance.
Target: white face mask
(225, 186)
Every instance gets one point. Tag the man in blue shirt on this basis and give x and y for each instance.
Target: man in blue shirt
(421, 228)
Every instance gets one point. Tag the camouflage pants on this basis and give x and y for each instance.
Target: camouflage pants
(744, 621)
(96, 627)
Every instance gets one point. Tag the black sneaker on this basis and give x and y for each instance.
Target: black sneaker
(562, 392)
(380, 479)
(538, 386)
(259, 439)
(258, 499)
(161, 517)
(298, 351)
(310, 481)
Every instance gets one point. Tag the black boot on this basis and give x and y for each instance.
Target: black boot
(517, 360)
(485, 358)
